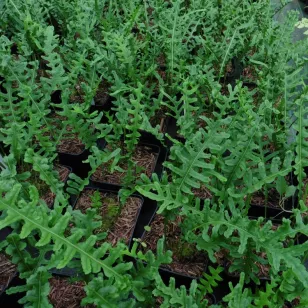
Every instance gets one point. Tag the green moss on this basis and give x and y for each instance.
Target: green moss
(112, 210)
(181, 249)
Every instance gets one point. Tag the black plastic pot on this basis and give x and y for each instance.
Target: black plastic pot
(115, 191)
(267, 212)
(106, 106)
(55, 97)
(233, 76)
(145, 216)
(149, 139)
(160, 158)
(301, 239)
(180, 279)
(75, 161)
(152, 137)
(306, 5)
(166, 274)
(256, 210)
(11, 301)
(212, 298)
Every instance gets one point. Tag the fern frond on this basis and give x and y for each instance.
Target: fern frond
(37, 217)
(37, 289)
(301, 140)
(209, 281)
(191, 165)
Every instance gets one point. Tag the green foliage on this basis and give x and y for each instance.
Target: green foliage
(188, 61)
(37, 289)
(98, 157)
(301, 142)
(238, 297)
(96, 200)
(181, 297)
(208, 282)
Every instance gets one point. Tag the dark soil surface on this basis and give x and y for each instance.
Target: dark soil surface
(66, 294)
(102, 94)
(69, 143)
(7, 271)
(258, 198)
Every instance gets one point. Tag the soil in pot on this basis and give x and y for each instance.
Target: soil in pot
(102, 94)
(187, 260)
(145, 161)
(69, 143)
(117, 220)
(7, 271)
(263, 269)
(202, 192)
(160, 119)
(294, 303)
(77, 94)
(224, 259)
(249, 74)
(66, 294)
(273, 200)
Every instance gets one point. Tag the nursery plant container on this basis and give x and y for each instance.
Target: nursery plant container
(102, 100)
(164, 124)
(306, 5)
(145, 216)
(56, 97)
(158, 167)
(235, 278)
(12, 300)
(8, 275)
(70, 293)
(75, 162)
(114, 192)
(235, 74)
(276, 212)
(105, 107)
(269, 212)
(166, 274)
